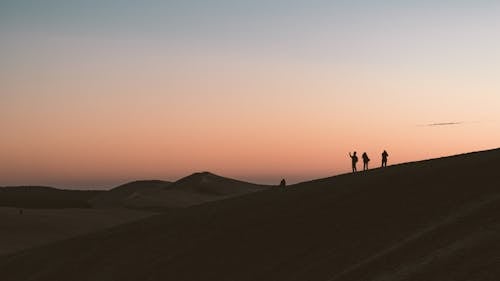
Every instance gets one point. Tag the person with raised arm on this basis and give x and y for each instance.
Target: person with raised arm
(354, 160)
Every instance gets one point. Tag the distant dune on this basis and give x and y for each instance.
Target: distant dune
(146, 194)
(431, 220)
(194, 189)
(45, 197)
(130, 194)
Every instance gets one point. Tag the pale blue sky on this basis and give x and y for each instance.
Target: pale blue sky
(370, 30)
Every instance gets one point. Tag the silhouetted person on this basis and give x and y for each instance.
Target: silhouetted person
(366, 159)
(283, 183)
(354, 159)
(384, 158)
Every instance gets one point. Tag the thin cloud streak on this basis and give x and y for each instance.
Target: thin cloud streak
(439, 124)
(444, 124)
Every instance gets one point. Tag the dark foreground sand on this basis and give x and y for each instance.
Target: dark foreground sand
(432, 220)
(41, 226)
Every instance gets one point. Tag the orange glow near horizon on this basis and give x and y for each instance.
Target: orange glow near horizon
(254, 123)
(93, 96)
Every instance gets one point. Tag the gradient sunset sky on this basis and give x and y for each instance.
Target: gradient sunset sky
(96, 93)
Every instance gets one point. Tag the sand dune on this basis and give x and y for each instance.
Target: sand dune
(191, 190)
(129, 194)
(45, 197)
(429, 220)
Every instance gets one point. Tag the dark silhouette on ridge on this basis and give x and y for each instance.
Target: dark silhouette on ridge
(354, 159)
(283, 183)
(366, 159)
(384, 158)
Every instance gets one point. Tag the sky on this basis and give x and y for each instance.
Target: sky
(100, 92)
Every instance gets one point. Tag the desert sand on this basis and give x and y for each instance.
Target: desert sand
(431, 220)
(52, 214)
(41, 226)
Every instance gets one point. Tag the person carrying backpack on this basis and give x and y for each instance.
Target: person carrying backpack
(366, 159)
(384, 158)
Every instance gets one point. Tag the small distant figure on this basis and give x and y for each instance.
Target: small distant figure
(366, 159)
(283, 183)
(354, 159)
(21, 211)
(384, 158)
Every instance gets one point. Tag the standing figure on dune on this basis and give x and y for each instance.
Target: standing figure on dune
(283, 183)
(365, 161)
(354, 159)
(384, 158)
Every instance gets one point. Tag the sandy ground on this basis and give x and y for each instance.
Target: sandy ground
(436, 220)
(41, 226)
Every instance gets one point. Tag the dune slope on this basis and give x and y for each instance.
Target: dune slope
(35, 227)
(429, 220)
(128, 194)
